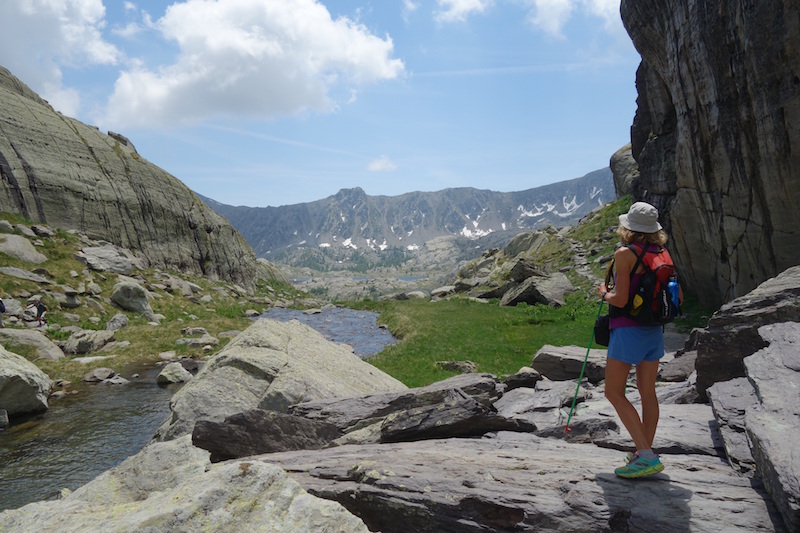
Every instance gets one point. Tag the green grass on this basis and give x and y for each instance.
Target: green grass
(500, 340)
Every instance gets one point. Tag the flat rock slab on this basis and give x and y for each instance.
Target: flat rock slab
(519, 482)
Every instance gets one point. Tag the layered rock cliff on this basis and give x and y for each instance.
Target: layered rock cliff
(59, 171)
(717, 136)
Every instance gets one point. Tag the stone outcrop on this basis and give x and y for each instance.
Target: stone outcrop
(732, 332)
(59, 171)
(773, 422)
(271, 365)
(625, 170)
(171, 486)
(716, 138)
(23, 387)
(513, 275)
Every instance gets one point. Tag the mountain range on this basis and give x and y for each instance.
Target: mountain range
(353, 230)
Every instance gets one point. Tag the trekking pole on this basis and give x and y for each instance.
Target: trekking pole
(583, 368)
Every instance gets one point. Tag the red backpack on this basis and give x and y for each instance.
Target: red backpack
(656, 301)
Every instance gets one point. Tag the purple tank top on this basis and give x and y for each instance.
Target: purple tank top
(626, 321)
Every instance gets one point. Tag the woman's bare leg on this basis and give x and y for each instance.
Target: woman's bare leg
(616, 377)
(646, 372)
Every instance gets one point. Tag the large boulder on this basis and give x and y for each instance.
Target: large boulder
(547, 290)
(271, 365)
(715, 137)
(88, 341)
(85, 180)
(172, 486)
(21, 248)
(560, 363)
(23, 387)
(732, 332)
(45, 348)
(131, 296)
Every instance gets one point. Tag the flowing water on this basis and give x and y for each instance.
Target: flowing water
(80, 436)
(85, 434)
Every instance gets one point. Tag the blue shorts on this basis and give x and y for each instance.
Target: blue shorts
(635, 344)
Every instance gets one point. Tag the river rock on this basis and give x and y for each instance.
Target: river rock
(99, 374)
(173, 373)
(171, 486)
(45, 348)
(131, 296)
(271, 365)
(21, 248)
(732, 332)
(23, 387)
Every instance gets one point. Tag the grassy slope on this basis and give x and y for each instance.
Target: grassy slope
(226, 312)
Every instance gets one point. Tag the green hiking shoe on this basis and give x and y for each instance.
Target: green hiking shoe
(640, 467)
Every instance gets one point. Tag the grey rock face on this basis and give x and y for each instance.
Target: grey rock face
(773, 424)
(732, 333)
(59, 171)
(23, 387)
(715, 137)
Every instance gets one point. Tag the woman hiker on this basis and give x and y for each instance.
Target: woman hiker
(632, 344)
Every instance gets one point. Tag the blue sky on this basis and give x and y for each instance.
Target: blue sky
(275, 102)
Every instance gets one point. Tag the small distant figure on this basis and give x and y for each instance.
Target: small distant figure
(2, 310)
(41, 311)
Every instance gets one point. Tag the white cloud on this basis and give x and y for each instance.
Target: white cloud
(382, 164)
(551, 15)
(250, 58)
(408, 8)
(39, 36)
(459, 10)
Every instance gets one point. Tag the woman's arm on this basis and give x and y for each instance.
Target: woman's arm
(624, 259)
